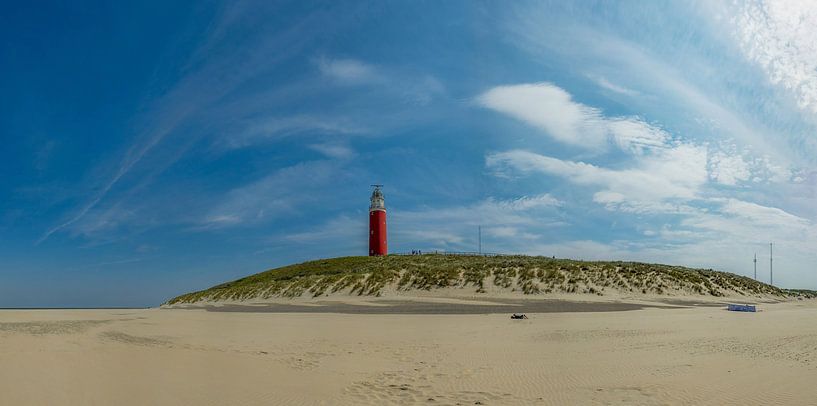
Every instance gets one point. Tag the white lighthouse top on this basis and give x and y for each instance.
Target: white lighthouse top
(377, 201)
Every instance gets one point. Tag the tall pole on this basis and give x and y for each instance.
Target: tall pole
(771, 272)
(755, 265)
(479, 232)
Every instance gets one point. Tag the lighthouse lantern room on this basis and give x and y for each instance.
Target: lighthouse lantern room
(377, 223)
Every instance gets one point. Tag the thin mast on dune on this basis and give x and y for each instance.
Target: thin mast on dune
(755, 261)
(771, 272)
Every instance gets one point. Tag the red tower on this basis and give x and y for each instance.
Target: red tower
(377, 224)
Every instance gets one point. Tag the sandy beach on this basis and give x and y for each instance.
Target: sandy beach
(650, 356)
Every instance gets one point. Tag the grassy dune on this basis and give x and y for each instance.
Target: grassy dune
(371, 276)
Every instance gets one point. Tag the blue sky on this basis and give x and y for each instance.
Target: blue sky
(153, 148)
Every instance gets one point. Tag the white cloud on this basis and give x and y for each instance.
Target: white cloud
(553, 110)
(490, 211)
(525, 203)
(672, 173)
(763, 215)
(503, 232)
(455, 228)
(101, 220)
(779, 36)
(273, 196)
(421, 91)
(614, 201)
(606, 84)
(581, 249)
(269, 128)
(336, 151)
(217, 67)
(349, 71)
(220, 220)
(662, 173)
(735, 226)
(341, 228)
(724, 236)
(636, 136)
(437, 238)
(728, 169)
(728, 166)
(775, 173)
(685, 86)
(407, 86)
(700, 96)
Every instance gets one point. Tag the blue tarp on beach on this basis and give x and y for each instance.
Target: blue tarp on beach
(741, 308)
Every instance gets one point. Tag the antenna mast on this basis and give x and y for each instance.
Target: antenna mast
(755, 261)
(771, 272)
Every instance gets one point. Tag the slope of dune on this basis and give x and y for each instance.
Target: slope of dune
(482, 275)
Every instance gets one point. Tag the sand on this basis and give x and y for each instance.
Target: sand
(418, 306)
(649, 356)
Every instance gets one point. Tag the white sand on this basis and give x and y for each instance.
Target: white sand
(192, 357)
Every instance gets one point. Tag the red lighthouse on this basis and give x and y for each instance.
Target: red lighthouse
(377, 224)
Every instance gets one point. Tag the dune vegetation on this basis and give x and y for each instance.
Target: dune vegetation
(528, 275)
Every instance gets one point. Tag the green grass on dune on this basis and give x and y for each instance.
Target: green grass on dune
(526, 274)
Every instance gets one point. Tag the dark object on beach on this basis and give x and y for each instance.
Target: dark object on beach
(518, 316)
(741, 308)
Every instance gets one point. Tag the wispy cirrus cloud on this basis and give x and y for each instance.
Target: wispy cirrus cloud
(661, 164)
(334, 150)
(408, 87)
(553, 110)
(348, 71)
(728, 169)
(701, 95)
(455, 227)
(490, 211)
(181, 105)
(283, 192)
(343, 227)
(267, 129)
(671, 181)
(615, 88)
(779, 37)
(448, 227)
(676, 173)
(763, 216)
